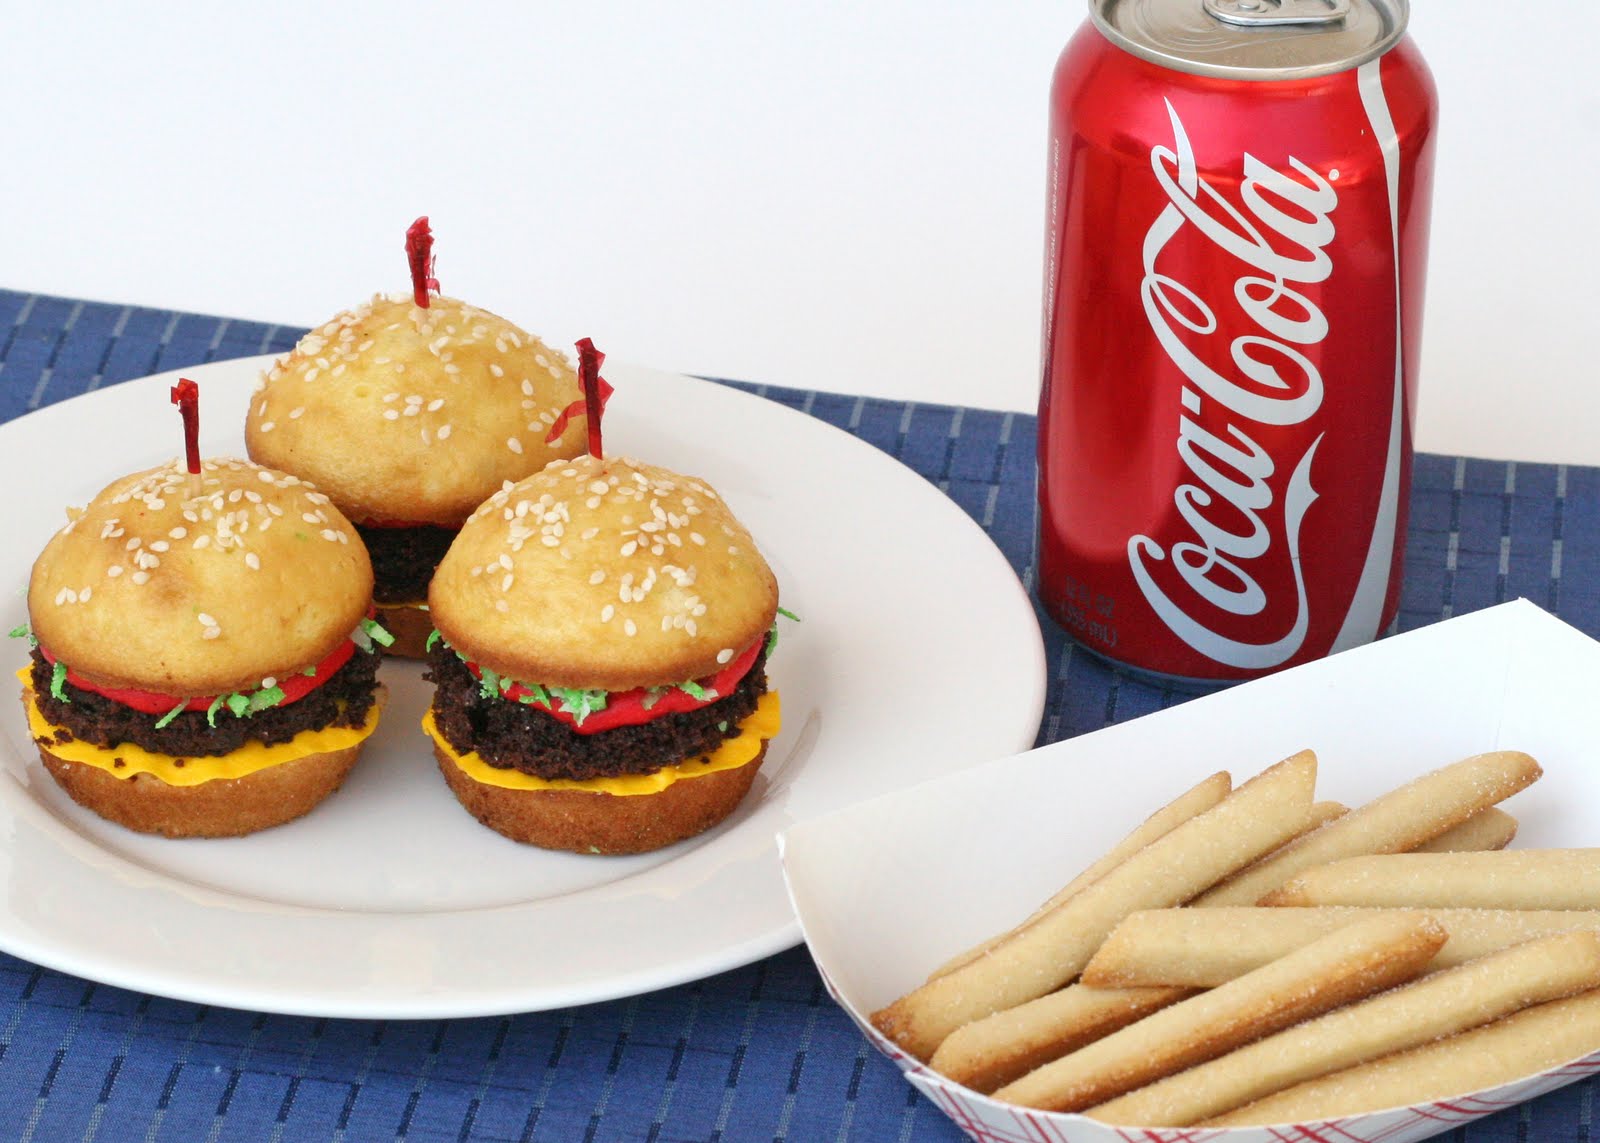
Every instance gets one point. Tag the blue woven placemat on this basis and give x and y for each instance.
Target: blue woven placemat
(754, 1054)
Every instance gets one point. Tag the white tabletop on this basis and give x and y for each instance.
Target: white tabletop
(845, 197)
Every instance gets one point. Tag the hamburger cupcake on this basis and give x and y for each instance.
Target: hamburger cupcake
(202, 659)
(408, 411)
(600, 664)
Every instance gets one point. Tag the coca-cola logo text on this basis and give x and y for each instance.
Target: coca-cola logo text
(1228, 506)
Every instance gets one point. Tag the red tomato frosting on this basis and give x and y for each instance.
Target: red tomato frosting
(295, 686)
(642, 704)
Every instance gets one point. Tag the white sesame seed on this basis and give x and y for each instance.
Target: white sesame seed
(391, 414)
(436, 404)
(506, 580)
(330, 535)
(725, 655)
(113, 571)
(252, 561)
(297, 412)
(206, 620)
(630, 547)
(501, 605)
(202, 542)
(689, 627)
(514, 445)
(444, 432)
(268, 426)
(160, 546)
(607, 612)
(211, 633)
(177, 533)
(268, 683)
(140, 577)
(630, 627)
(505, 561)
(597, 577)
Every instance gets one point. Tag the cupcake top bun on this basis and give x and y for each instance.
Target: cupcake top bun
(607, 574)
(408, 414)
(155, 589)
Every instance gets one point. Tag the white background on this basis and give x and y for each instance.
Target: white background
(839, 196)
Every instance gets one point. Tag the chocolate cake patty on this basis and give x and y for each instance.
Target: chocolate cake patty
(403, 559)
(343, 700)
(512, 735)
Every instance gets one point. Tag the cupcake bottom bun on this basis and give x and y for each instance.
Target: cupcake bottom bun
(225, 807)
(252, 788)
(586, 821)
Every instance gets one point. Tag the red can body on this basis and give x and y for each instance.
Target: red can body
(1233, 295)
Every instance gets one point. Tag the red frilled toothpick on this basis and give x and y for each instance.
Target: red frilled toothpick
(186, 395)
(419, 252)
(596, 392)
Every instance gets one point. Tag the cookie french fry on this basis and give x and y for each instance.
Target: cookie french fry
(1492, 828)
(1508, 879)
(1399, 820)
(1044, 955)
(1193, 801)
(988, 1053)
(1442, 1004)
(1202, 948)
(1522, 1044)
(1354, 961)
(1519, 1045)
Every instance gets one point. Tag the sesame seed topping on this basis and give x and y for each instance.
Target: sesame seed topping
(630, 627)
(444, 432)
(140, 577)
(113, 571)
(297, 412)
(211, 633)
(160, 546)
(391, 414)
(252, 561)
(607, 612)
(436, 404)
(330, 535)
(496, 370)
(725, 655)
(597, 577)
(177, 533)
(514, 445)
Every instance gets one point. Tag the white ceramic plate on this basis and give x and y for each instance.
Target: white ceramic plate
(389, 901)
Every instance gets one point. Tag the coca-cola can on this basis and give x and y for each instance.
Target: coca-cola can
(1237, 231)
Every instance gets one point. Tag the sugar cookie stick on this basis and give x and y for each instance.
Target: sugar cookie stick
(1202, 948)
(1196, 800)
(1043, 956)
(1399, 820)
(1524, 1044)
(988, 1053)
(1442, 1004)
(1509, 879)
(1492, 828)
(1354, 961)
